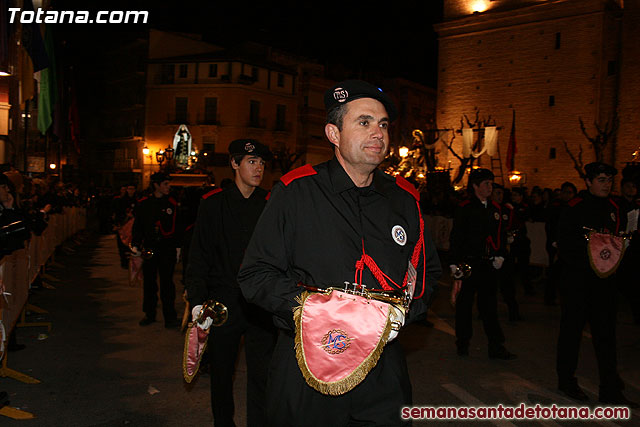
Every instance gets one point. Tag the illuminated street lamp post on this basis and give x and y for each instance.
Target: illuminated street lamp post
(160, 157)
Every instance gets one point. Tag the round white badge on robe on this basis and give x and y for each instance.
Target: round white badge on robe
(399, 235)
(169, 211)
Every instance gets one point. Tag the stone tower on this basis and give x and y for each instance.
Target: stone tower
(554, 62)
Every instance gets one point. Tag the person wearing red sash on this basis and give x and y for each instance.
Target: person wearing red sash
(157, 230)
(478, 239)
(585, 295)
(342, 220)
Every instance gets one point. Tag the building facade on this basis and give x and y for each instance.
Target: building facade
(219, 95)
(554, 62)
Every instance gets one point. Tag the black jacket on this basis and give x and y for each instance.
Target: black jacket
(478, 232)
(314, 229)
(156, 224)
(598, 213)
(222, 231)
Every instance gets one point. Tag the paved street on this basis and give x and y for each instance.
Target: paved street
(97, 367)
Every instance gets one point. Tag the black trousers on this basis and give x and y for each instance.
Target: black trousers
(122, 251)
(377, 400)
(628, 282)
(594, 301)
(259, 341)
(553, 275)
(161, 265)
(508, 287)
(483, 282)
(521, 254)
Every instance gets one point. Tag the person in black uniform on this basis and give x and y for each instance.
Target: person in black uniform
(319, 226)
(506, 273)
(478, 238)
(627, 277)
(520, 248)
(585, 297)
(124, 206)
(226, 219)
(568, 191)
(156, 228)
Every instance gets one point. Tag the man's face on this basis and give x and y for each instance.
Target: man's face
(250, 170)
(131, 190)
(516, 197)
(629, 189)
(484, 189)
(600, 186)
(567, 194)
(536, 198)
(497, 195)
(164, 187)
(364, 139)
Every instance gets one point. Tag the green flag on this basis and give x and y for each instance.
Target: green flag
(48, 91)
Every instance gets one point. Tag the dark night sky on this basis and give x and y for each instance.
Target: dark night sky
(397, 40)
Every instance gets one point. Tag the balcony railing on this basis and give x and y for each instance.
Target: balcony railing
(282, 127)
(178, 119)
(260, 123)
(203, 119)
(126, 164)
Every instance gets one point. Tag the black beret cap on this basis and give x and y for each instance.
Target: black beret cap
(249, 147)
(159, 177)
(350, 90)
(596, 168)
(480, 174)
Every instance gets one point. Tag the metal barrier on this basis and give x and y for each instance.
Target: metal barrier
(19, 269)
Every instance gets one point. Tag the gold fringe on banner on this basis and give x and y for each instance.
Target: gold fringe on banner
(189, 377)
(348, 383)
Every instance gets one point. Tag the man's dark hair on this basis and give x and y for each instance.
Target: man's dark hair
(237, 158)
(627, 179)
(336, 115)
(476, 176)
(569, 185)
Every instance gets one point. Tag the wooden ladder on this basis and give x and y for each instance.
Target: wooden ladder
(496, 166)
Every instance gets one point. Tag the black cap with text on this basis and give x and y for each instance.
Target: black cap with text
(350, 90)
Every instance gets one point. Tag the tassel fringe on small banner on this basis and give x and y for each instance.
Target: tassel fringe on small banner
(348, 383)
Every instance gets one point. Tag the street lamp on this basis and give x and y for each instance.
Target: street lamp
(517, 178)
(168, 153)
(145, 150)
(160, 157)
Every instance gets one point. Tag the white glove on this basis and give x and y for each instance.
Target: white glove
(453, 269)
(195, 312)
(397, 322)
(135, 252)
(497, 262)
(178, 252)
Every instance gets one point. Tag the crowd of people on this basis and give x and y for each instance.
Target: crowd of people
(344, 222)
(26, 204)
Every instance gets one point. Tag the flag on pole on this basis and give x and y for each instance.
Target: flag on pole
(511, 148)
(31, 39)
(48, 93)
